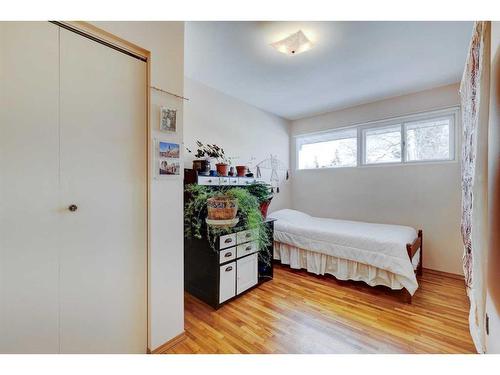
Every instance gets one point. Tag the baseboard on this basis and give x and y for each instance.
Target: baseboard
(443, 273)
(169, 344)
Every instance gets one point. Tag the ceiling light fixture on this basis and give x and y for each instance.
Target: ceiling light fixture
(293, 44)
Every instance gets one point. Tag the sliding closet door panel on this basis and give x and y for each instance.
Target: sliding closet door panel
(29, 170)
(103, 173)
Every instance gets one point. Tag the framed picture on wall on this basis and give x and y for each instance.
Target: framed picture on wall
(168, 120)
(168, 159)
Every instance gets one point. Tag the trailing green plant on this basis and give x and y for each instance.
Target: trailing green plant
(195, 210)
(261, 191)
(250, 217)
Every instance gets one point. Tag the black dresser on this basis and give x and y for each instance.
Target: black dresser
(235, 267)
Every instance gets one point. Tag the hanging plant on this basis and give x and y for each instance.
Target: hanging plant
(250, 217)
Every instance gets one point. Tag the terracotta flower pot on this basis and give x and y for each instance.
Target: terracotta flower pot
(241, 170)
(222, 208)
(264, 206)
(222, 169)
(202, 166)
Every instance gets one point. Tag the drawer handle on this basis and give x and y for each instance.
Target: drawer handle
(248, 235)
(228, 240)
(248, 248)
(228, 255)
(230, 268)
(209, 180)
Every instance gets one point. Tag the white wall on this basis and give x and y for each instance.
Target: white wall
(165, 40)
(425, 196)
(493, 280)
(241, 129)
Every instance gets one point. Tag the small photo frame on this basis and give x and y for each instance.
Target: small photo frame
(168, 120)
(169, 150)
(169, 167)
(168, 157)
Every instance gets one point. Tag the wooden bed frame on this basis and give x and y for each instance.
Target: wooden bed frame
(412, 250)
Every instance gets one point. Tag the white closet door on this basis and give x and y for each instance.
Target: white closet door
(29, 170)
(103, 173)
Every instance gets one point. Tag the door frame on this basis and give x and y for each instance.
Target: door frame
(112, 41)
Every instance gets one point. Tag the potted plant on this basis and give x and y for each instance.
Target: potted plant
(206, 203)
(264, 195)
(203, 155)
(202, 162)
(241, 170)
(222, 164)
(222, 207)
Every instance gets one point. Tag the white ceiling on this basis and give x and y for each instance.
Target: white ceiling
(351, 62)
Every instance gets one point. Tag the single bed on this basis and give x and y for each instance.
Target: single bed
(378, 254)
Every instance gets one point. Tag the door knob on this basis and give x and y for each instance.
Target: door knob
(73, 207)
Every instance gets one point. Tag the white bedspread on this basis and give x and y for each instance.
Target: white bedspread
(379, 245)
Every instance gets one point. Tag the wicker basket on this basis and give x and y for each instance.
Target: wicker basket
(222, 208)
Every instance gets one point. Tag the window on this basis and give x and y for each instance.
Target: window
(417, 138)
(382, 144)
(328, 150)
(429, 140)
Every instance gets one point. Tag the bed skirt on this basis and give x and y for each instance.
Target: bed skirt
(342, 269)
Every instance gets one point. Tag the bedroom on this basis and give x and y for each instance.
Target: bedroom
(386, 152)
(249, 187)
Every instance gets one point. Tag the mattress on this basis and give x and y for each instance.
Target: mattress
(379, 245)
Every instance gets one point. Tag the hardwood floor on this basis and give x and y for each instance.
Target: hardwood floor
(302, 313)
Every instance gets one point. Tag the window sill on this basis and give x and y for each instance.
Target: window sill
(367, 166)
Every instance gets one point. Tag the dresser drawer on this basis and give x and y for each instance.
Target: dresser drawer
(227, 255)
(227, 240)
(224, 181)
(246, 235)
(233, 181)
(227, 281)
(208, 180)
(247, 180)
(246, 248)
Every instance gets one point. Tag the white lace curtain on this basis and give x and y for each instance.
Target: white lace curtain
(474, 94)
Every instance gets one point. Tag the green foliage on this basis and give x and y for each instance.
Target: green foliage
(210, 151)
(195, 212)
(261, 191)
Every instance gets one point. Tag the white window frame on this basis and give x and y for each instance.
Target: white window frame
(452, 116)
(451, 112)
(328, 136)
(361, 134)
